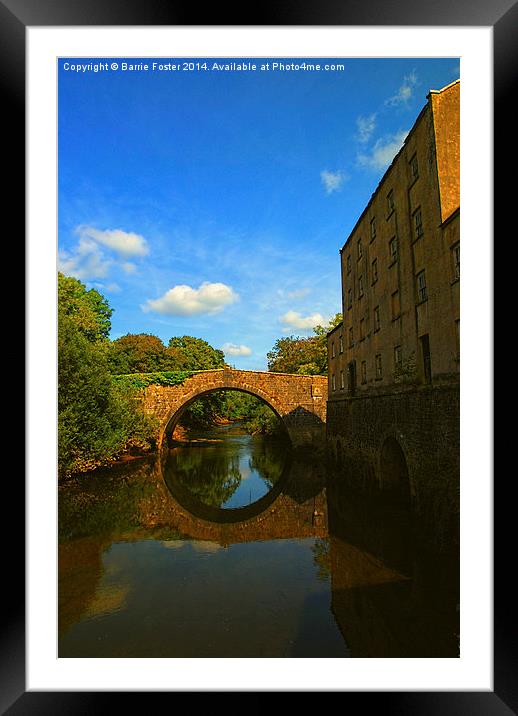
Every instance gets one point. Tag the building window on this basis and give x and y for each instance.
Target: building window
(421, 287)
(362, 329)
(374, 271)
(363, 372)
(341, 344)
(342, 383)
(349, 264)
(360, 286)
(414, 167)
(393, 250)
(398, 360)
(379, 369)
(377, 323)
(418, 223)
(390, 202)
(360, 250)
(455, 252)
(427, 362)
(373, 228)
(395, 305)
(350, 298)
(351, 340)
(333, 354)
(333, 382)
(351, 377)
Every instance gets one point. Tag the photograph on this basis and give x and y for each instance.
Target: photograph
(258, 349)
(253, 461)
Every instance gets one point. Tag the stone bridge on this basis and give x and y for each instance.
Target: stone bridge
(299, 400)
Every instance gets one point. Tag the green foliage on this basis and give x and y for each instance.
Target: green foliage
(262, 421)
(255, 416)
(145, 353)
(204, 412)
(268, 459)
(407, 371)
(142, 380)
(97, 421)
(333, 323)
(303, 356)
(321, 549)
(210, 475)
(195, 354)
(88, 310)
(138, 353)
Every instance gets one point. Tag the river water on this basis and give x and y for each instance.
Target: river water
(236, 546)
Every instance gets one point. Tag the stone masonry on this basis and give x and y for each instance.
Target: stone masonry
(299, 400)
(394, 361)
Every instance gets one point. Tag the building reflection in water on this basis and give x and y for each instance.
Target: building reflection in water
(388, 595)
(391, 595)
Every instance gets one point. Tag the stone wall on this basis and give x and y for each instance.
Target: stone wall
(424, 422)
(283, 519)
(400, 265)
(299, 400)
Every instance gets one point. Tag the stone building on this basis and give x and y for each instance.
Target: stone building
(398, 346)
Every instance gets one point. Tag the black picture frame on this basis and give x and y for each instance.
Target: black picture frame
(15, 17)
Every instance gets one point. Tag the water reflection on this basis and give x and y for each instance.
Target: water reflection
(314, 572)
(392, 595)
(226, 468)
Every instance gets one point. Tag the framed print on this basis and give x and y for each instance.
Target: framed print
(172, 218)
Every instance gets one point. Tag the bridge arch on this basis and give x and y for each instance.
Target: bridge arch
(201, 393)
(300, 401)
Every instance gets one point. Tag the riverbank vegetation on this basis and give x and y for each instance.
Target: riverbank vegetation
(228, 406)
(99, 414)
(97, 419)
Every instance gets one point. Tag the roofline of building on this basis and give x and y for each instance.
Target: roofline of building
(339, 325)
(455, 82)
(395, 157)
(452, 216)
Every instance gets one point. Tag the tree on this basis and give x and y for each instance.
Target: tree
(139, 353)
(307, 356)
(296, 355)
(89, 310)
(194, 353)
(96, 420)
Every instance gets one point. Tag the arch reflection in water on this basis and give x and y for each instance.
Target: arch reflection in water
(225, 470)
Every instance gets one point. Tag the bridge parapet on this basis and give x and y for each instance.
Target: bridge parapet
(299, 400)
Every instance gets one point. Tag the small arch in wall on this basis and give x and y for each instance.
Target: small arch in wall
(394, 475)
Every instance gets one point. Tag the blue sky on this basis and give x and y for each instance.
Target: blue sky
(213, 203)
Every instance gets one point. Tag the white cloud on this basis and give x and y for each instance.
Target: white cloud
(366, 126)
(184, 300)
(293, 319)
(404, 92)
(297, 293)
(233, 350)
(122, 242)
(128, 267)
(110, 287)
(205, 546)
(332, 181)
(383, 151)
(174, 544)
(87, 261)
